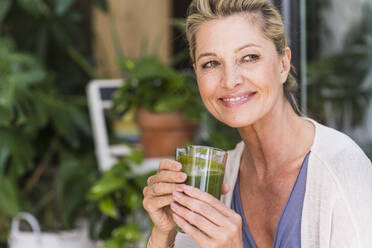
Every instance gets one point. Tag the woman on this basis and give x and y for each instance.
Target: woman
(291, 182)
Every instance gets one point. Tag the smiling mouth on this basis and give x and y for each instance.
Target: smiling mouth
(234, 99)
(239, 99)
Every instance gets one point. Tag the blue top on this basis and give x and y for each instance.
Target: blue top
(288, 230)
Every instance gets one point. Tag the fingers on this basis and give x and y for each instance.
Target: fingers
(207, 198)
(167, 177)
(169, 172)
(172, 165)
(205, 224)
(159, 189)
(203, 209)
(193, 232)
(225, 189)
(158, 193)
(196, 219)
(160, 186)
(153, 204)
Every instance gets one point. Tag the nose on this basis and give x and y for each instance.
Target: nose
(232, 77)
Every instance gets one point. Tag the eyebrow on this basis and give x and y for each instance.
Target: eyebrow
(245, 46)
(236, 50)
(205, 55)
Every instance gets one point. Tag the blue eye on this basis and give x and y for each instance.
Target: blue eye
(250, 58)
(210, 64)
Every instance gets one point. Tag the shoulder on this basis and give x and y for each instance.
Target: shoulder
(340, 167)
(336, 149)
(341, 156)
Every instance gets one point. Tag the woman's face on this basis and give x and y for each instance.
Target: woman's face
(239, 73)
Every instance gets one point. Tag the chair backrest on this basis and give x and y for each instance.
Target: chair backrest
(99, 99)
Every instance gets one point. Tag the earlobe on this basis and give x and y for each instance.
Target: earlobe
(285, 64)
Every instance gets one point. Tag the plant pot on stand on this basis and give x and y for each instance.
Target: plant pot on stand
(162, 133)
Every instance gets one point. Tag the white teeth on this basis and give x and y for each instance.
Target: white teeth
(233, 99)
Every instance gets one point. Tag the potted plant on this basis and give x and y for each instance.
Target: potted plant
(117, 193)
(167, 103)
(47, 162)
(44, 167)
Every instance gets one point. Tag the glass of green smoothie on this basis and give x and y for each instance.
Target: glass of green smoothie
(204, 166)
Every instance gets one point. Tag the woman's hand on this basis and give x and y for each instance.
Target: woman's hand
(158, 194)
(206, 220)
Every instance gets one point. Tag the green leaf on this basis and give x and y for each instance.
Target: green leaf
(8, 197)
(34, 7)
(67, 119)
(152, 68)
(157, 87)
(62, 6)
(80, 172)
(112, 243)
(133, 199)
(128, 233)
(32, 76)
(127, 64)
(105, 186)
(107, 207)
(135, 156)
(22, 153)
(169, 104)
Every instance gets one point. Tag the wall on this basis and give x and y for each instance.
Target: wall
(133, 22)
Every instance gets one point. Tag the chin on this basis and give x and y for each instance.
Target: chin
(238, 122)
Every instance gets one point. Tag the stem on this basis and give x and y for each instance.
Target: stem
(40, 168)
(81, 61)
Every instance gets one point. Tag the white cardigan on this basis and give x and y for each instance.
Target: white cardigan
(337, 210)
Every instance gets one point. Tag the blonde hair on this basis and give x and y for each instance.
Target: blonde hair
(201, 11)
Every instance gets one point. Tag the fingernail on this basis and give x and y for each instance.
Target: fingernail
(182, 176)
(177, 166)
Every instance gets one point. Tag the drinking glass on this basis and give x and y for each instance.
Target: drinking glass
(204, 166)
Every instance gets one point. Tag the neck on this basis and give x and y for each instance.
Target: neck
(276, 140)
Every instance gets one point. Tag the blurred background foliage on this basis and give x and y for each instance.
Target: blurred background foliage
(339, 81)
(158, 88)
(47, 162)
(118, 195)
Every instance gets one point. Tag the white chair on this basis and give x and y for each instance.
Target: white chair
(99, 94)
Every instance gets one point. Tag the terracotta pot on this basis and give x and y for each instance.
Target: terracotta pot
(162, 133)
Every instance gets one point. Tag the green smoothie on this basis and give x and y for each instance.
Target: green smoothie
(203, 174)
